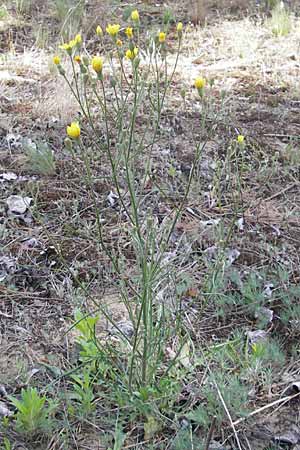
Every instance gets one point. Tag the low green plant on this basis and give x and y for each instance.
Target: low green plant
(87, 341)
(40, 158)
(3, 12)
(6, 444)
(83, 392)
(220, 389)
(234, 293)
(271, 4)
(186, 440)
(280, 22)
(34, 412)
(119, 438)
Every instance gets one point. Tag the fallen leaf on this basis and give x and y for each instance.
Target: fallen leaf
(257, 336)
(112, 197)
(7, 266)
(184, 356)
(8, 176)
(18, 204)
(264, 313)
(192, 292)
(4, 411)
(290, 438)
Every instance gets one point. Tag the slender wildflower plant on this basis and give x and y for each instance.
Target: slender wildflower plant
(124, 83)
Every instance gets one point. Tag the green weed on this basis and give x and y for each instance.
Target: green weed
(6, 444)
(220, 389)
(3, 12)
(40, 158)
(280, 22)
(186, 440)
(34, 412)
(83, 392)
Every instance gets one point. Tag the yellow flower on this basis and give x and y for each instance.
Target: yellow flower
(99, 31)
(162, 37)
(77, 59)
(56, 60)
(97, 64)
(66, 47)
(129, 32)
(200, 83)
(131, 54)
(119, 43)
(113, 30)
(73, 131)
(135, 15)
(72, 43)
(240, 139)
(179, 27)
(78, 39)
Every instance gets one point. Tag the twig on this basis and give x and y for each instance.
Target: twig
(263, 408)
(228, 415)
(281, 135)
(281, 192)
(7, 316)
(210, 433)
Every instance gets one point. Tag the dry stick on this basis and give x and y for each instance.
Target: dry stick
(210, 433)
(228, 415)
(263, 408)
(283, 191)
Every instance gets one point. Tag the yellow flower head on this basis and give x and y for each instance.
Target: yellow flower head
(77, 59)
(56, 60)
(78, 39)
(73, 130)
(200, 83)
(162, 37)
(99, 31)
(72, 43)
(179, 27)
(240, 139)
(113, 30)
(131, 54)
(119, 43)
(129, 32)
(135, 15)
(97, 64)
(66, 47)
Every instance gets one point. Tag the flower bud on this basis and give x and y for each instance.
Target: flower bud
(85, 60)
(113, 82)
(68, 144)
(61, 70)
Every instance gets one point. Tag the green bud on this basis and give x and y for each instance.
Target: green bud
(113, 82)
(136, 62)
(68, 144)
(83, 69)
(61, 70)
(85, 60)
